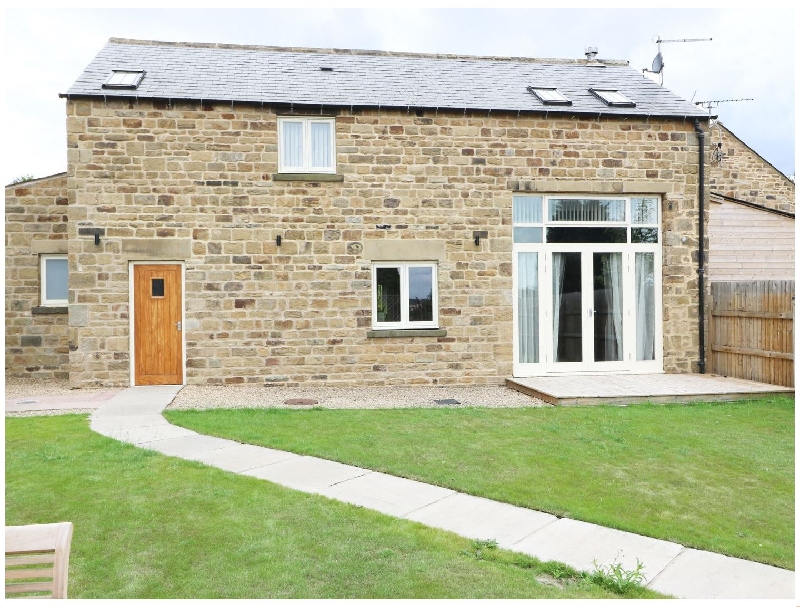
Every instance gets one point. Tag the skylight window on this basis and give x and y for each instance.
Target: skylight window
(124, 79)
(612, 97)
(549, 96)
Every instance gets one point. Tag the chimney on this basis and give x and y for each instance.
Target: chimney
(591, 53)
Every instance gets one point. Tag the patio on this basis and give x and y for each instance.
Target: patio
(625, 389)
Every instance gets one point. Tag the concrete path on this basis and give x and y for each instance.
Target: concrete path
(59, 402)
(134, 416)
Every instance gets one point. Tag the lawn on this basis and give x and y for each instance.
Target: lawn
(151, 526)
(717, 477)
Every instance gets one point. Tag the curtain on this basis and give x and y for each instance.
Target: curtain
(528, 307)
(645, 306)
(558, 283)
(612, 270)
(292, 144)
(321, 145)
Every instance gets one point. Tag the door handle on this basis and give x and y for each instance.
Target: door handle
(178, 324)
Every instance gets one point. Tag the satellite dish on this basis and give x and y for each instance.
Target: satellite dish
(658, 64)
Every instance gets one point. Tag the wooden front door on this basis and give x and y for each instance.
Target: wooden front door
(157, 330)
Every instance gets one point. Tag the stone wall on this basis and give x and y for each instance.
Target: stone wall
(36, 223)
(203, 178)
(741, 173)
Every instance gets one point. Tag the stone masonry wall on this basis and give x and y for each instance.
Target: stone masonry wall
(298, 314)
(745, 175)
(36, 337)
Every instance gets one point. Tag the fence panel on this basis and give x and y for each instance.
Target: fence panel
(752, 330)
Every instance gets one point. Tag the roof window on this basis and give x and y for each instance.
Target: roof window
(612, 97)
(549, 96)
(124, 79)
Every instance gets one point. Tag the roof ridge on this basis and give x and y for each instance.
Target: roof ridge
(363, 52)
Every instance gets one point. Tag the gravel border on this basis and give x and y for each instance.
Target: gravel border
(17, 387)
(371, 397)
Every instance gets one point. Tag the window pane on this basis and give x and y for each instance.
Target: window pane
(157, 287)
(527, 209)
(420, 294)
(292, 149)
(586, 210)
(55, 279)
(528, 307)
(645, 306)
(644, 235)
(644, 210)
(527, 234)
(321, 145)
(587, 235)
(607, 315)
(388, 294)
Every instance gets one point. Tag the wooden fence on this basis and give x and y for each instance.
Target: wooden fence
(752, 330)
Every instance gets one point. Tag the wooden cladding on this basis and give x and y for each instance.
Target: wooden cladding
(752, 330)
(158, 342)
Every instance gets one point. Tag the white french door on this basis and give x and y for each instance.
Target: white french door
(586, 309)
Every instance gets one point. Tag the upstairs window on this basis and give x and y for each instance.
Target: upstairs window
(124, 79)
(54, 280)
(306, 145)
(612, 97)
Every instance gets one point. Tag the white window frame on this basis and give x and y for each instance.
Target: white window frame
(43, 276)
(306, 167)
(405, 323)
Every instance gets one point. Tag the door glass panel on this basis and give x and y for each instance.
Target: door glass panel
(420, 293)
(528, 307)
(586, 209)
(387, 285)
(567, 307)
(607, 281)
(645, 306)
(157, 287)
(587, 235)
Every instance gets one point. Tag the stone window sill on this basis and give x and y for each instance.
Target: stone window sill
(307, 177)
(35, 310)
(408, 333)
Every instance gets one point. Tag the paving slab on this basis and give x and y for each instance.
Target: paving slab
(697, 574)
(143, 435)
(578, 544)
(387, 494)
(306, 473)
(240, 458)
(123, 422)
(141, 400)
(187, 446)
(59, 402)
(482, 519)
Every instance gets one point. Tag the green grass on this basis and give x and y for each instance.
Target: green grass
(150, 526)
(717, 477)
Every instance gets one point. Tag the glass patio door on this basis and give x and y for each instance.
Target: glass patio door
(587, 299)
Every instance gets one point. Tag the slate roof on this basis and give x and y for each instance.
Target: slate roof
(273, 75)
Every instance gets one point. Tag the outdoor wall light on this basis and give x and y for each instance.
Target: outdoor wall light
(96, 238)
(477, 235)
(278, 240)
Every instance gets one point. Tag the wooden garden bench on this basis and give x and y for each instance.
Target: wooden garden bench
(37, 560)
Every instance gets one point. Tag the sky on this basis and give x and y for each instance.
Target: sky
(751, 55)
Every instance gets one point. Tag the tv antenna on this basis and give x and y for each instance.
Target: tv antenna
(658, 63)
(717, 154)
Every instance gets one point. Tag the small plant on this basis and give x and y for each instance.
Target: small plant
(480, 548)
(615, 577)
(23, 178)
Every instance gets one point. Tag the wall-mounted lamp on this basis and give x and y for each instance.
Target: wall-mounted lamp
(96, 238)
(278, 240)
(477, 235)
